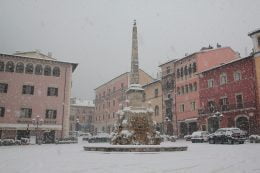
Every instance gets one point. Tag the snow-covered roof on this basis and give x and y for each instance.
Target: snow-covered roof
(81, 102)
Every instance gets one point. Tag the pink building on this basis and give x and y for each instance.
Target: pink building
(34, 88)
(187, 83)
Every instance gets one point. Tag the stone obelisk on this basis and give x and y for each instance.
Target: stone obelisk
(135, 90)
(134, 74)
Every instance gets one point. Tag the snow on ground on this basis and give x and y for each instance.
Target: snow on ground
(71, 158)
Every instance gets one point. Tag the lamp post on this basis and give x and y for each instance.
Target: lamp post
(37, 122)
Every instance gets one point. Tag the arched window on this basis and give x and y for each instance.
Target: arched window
(185, 70)
(56, 71)
(156, 110)
(194, 67)
(19, 67)
(2, 66)
(38, 69)
(47, 70)
(9, 67)
(178, 73)
(29, 68)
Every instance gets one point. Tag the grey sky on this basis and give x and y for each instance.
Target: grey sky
(97, 34)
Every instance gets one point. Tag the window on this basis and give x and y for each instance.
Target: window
(38, 69)
(114, 102)
(3, 87)
(29, 69)
(211, 106)
(258, 40)
(210, 83)
(182, 72)
(113, 114)
(195, 86)
(239, 100)
(190, 87)
(114, 89)
(182, 108)
(47, 70)
(193, 106)
(56, 71)
(223, 79)
(237, 76)
(2, 66)
(122, 85)
(182, 90)
(28, 89)
(186, 88)
(223, 102)
(26, 113)
(194, 67)
(51, 114)
(178, 73)
(156, 110)
(52, 91)
(9, 67)
(156, 92)
(2, 111)
(185, 70)
(168, 70)
(190, 69)
(178, 91)
(19, 67)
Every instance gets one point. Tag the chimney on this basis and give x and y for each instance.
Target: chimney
(49, 54)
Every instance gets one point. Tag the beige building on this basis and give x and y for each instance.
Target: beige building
(153, 97)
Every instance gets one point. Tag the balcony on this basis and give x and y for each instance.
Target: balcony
(227, 108)
(49, 121)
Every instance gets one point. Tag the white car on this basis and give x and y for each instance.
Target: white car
(199, 136)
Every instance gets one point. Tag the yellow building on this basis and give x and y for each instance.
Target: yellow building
(153, 97)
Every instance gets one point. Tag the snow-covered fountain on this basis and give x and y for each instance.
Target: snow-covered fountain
(134, 130)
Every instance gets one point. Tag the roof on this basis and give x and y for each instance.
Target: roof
(34, 54)
(201, 51)
(254, 32)
(223, 64)
(155, 81)
(80, 102)
(74, 65)
(167, 62)
(126, 73)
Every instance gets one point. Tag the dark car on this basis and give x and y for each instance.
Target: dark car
(227, 135)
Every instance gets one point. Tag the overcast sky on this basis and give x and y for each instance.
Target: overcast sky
(97, 34)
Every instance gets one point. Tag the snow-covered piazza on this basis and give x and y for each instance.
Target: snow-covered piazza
(71, 158)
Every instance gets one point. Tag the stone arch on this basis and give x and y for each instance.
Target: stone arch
(47, 70)
(156, 110)
(2, 66)
(9, 67)
(242, 122)
(38, 69)
(19, 67)
(29, 68)
(56, 71)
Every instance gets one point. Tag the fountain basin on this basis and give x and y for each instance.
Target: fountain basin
(135, 148)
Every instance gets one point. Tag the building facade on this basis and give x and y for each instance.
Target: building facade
(34, 88)
(228, 96)
(81, 115)
(153, 97)
(109, 96)
(168, 101)
(187, 83)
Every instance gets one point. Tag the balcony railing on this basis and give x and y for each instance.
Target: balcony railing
(226, 108)
(49, 121)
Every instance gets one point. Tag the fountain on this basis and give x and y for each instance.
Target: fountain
(134, 130)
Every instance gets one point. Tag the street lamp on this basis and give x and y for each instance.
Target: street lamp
(37, 122)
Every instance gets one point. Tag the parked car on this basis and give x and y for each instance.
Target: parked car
(254, 139)
(100, 138)
(227, 135)
(166, 138)
(187, 137)
(199, 136)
